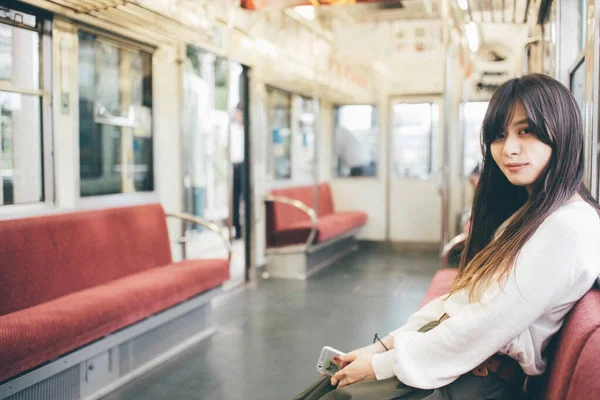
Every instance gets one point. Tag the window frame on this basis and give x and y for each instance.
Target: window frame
(114, 199)
(44, 28)
(334, 157)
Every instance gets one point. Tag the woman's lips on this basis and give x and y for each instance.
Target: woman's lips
(515, 167)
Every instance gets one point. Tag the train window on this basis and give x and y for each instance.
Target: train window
(115, 117)
(578, 85)
(206, 121)
(21, 156)
(414, 139)
(305, 144)
(280, 103)
(356, 141)
(582, 23)
(472, 114)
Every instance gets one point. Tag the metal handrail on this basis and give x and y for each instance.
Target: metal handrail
(207, 224)
(451, 245)
(303, 207)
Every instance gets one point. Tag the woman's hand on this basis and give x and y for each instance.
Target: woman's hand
(358, 370)
(370, 350)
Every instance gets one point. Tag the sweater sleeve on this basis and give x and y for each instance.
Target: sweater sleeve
(542, 274)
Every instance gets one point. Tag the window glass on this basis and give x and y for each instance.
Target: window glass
(582, 23)
(21, 149)
(356, 140)
(115, 118)
(21, 156)
(20, 54)
(206, 122)
(281, 133)
(305, 143)
(414, 139)
(578, 86)
(472, 119)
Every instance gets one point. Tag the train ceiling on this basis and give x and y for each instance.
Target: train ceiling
(492, 11)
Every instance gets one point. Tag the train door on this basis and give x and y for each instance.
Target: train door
(415, 154)
(214, 155)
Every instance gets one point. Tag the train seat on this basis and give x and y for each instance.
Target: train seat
(289, 225)
(440, 284)
(67, 280)
(304, 235)
(573, 356)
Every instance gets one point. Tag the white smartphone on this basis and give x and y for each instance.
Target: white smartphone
(329, 361)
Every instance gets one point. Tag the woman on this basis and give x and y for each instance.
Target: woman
(531, 255)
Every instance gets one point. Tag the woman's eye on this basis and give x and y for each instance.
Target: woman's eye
(499, 136)
(524, 131)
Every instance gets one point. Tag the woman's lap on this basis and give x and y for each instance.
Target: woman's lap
(467, 387)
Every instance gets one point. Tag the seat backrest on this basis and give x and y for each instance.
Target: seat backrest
(280, 216)
(572, 363)
(43, 258)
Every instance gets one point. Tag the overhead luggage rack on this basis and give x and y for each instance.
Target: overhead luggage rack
(88, 6)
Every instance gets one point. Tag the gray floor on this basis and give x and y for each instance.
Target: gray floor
(269, 335)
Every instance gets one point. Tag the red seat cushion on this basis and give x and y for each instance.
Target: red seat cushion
(329, 227)
(573, 355)
(282, 216)
(44, 258)
(38, 334)
(440, 284)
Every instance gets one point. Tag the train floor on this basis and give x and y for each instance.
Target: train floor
(269, 334)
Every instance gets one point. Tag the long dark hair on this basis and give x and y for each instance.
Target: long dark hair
(554, 117)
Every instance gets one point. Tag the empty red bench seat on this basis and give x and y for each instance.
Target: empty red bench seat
(288, 225)
(69, 279)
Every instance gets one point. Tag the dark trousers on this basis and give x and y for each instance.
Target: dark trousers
(237, 196)
(467, 387)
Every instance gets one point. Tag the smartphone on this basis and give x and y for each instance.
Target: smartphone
(329, 361)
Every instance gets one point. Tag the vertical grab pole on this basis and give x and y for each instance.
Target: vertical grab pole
(444, 187)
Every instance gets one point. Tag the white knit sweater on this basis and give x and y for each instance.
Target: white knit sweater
(554, 269)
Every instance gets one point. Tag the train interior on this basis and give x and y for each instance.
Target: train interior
(197, 196)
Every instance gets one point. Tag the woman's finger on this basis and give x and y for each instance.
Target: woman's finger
(333, 381)
(344, 382)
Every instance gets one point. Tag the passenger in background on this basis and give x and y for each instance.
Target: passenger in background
(533, 253)
(236, 156)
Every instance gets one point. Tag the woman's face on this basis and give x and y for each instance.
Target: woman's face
(520, 155)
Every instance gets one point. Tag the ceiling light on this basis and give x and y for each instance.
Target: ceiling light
(463, 4)
(306, 12)
(472, 36)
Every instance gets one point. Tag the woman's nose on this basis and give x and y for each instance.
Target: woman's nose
(512, 145)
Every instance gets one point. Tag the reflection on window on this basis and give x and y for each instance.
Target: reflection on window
(281, 134)
(304, 148)
(21, 145)
(578, 86)
(582, 23)
(414, 139)
(206, 121)
(21, 161)
(115, 118)
(356, 140)
(472, 118)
